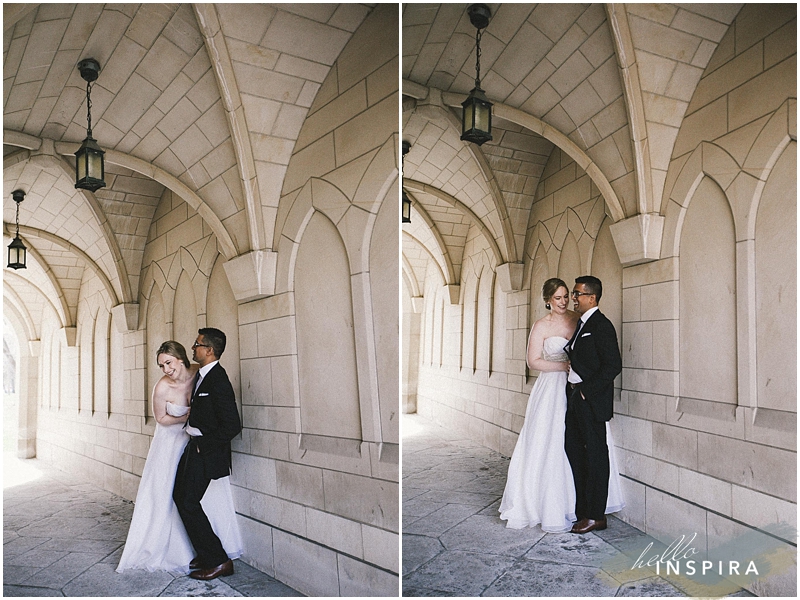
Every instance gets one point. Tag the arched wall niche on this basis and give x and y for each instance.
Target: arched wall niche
(707, 267)
(540, 271)
(102, 401)
(383, 276)
(329, 394)
(499, 337)
(184, 313)
(86, 373)
(608, 269)
(569, 262)
(469, 310)
(775, 286)
(158, 331)
(484, 312)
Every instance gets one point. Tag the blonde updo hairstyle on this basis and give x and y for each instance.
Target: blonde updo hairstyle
(549, 289)
(175, 349)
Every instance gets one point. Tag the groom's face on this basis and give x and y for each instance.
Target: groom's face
(200, 351)
(583, 300)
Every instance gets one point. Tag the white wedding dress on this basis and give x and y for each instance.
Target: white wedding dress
(540, 489)
(157, 540)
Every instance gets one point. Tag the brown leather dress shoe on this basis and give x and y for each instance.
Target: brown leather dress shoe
(195, 564)
(587, 525)
(223, 570)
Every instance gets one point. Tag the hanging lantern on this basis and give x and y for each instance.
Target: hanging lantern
(17, 252)
(406, 208)
(89, 161)
(476, 116)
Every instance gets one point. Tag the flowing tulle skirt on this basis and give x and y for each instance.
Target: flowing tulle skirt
(540, 489)
(157, 539)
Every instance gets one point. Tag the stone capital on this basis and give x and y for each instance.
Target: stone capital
(455, 292)
(510, 276)
(126, 316)
(70, 335)
(252, 275)
(638, 238)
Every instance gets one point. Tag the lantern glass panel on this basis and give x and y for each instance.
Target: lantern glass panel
(468, 114)
(80, 158)
(482, 114)
(95, 163)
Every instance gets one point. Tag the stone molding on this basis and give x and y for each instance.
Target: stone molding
(126, 316)
(252, 275)
(638, 239)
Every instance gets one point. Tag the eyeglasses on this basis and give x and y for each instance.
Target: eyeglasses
(579, 294)
(196, 345)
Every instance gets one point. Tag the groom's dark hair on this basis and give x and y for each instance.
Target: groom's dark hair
(593, 285)
(214, 338)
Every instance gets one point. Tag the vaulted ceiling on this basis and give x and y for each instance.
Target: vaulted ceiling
(205, 100)
(607, 84)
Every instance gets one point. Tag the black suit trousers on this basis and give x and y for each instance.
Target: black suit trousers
(190, 485)
(587, 452)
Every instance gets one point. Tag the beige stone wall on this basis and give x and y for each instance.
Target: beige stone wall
(319, 450)
(705, 439)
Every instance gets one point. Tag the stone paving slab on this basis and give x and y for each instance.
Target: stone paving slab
(71, 541)
(454, 543)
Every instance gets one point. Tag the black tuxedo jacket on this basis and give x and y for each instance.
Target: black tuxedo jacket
(596, 359)
(215, 414)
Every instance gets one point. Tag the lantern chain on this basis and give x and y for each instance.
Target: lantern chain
(478, 58)
(89, 108)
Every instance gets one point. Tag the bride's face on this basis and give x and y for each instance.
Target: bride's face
(171, 367)
(560, 301)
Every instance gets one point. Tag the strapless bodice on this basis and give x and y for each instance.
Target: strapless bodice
(553, 349)
(176, 410)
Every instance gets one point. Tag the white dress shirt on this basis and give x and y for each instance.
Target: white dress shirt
(573, 377)
(194, 431)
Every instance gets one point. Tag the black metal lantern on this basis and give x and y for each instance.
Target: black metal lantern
(17, 252)
(476, 117)
(89, 161)
(406, 208)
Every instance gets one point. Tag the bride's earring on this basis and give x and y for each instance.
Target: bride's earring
(547, 306)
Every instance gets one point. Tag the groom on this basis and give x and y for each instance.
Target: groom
(213, 423)
(594, 363)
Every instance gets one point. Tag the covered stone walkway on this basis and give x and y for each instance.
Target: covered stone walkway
(64, 537)
(454, 543)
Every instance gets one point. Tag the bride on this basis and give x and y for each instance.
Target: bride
(540, 489)
(157, 539)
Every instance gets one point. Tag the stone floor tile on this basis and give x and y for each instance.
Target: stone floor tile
(34, 558)
(186, 587)
(441, 520)
(102, 580)
(417, 550)
(22, 544)
(418, 592)
(24, 591)
(569, 548)
(408, 520)
(437, 480)
(649, 588)
(264, 588)
(464, 573)
(456, 497)
(491, 536)
(64, 570)
(16, 575)
(420, 507)
(104, 547)
(538, 578)
(493, 510)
